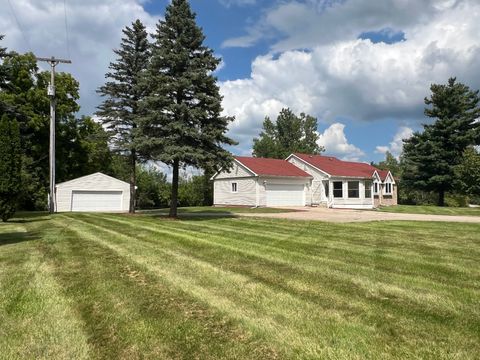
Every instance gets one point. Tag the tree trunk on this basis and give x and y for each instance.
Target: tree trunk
(173, 204)
(133, 181)
(441, 197)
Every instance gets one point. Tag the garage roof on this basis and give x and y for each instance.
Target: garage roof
(336, 167)
(93, 176)
(271, 167)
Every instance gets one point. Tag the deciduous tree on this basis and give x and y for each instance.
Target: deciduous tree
(289, 134)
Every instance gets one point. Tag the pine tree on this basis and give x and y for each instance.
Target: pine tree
(430, 157)
(10, 167)
(183, 125)
(120, 110)
(289, 134)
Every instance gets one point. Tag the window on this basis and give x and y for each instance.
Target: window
(375, 188)
(337, 189)
(327, 190)
(368, 189)
(388, 188)
(354, 189)
(234, 187)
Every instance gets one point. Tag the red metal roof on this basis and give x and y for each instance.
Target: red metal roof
(383, 174)
(335, 167)
(271, 167)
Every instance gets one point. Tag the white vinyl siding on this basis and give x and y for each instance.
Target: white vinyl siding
(285, 195)
(237, 171)
(246, 194)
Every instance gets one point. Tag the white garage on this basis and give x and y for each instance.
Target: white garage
(285, 194)
(261, 182)
(93, 193)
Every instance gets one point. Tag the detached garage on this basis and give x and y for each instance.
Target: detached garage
(262, 182)
(93, 193)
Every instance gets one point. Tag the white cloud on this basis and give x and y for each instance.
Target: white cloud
(357, 79)
(336, 143)
(94, 29)
(229, 3)
(396, 145)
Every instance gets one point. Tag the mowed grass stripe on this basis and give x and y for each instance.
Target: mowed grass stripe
(363, 285)
(417, 314)
(351, 243)
(366, 264)
(36, 320)
(139, 315)
(245, 299)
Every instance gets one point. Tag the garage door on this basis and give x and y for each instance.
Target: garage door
(285, 195)
(97, 201)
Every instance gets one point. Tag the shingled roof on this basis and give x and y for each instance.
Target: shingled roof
(271, 167)
(336, 167)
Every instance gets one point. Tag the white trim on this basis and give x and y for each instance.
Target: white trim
(86, 176)
(306, 162)
(238, 163)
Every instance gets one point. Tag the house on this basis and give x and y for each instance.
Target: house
(93, 193)
(304, 180)
(346, 184)
(261, 182)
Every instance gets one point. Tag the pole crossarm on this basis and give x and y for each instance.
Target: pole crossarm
(54, 61)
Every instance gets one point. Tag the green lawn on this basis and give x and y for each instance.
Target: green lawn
(434, 210)
(91, 286)
(202, 210)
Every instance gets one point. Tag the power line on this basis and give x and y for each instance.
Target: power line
(19, 26)
(66, 27)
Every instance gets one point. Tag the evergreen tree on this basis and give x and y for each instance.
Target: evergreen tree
(183, 125)
(10, 167)
(430, 157)
(120, 110)
(290, 134)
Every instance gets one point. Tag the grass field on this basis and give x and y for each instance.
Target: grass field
(433, 210)
(94, 286)
(217, 210)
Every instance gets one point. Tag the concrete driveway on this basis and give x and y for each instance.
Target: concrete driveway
(348, 215)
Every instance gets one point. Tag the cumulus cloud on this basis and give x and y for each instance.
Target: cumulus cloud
(336, 143)
(94, 29)
(348, 77)
(396, 145)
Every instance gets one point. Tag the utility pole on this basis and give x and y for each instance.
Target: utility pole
(51, 93)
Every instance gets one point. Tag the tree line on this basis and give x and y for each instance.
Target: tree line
(439, 165)
(160, 102)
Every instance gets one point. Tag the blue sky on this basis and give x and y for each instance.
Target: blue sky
(361, 67)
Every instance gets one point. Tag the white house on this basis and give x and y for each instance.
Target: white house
(303, 180)
(261, 182)
(93, 193)
(346, 184)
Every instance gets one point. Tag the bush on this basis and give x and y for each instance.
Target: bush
(456, 200)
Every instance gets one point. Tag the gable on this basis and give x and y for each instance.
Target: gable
(308, 168)
(237, 171)
(97, 179)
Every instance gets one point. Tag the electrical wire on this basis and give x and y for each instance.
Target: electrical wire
(27, 43)
(67, 40)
